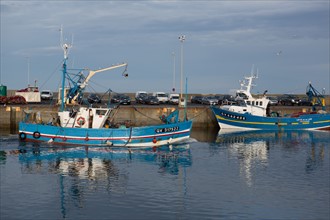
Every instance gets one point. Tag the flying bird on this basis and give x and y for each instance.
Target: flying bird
(279, 53)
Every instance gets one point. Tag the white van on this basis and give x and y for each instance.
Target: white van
(173, 98)
(140, 92)
(161, 96)
(46, 95)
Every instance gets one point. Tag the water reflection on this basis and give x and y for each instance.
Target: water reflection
(253, 148)
(315, 157)
(81, 169)
(3, 157)
(204, 134)
(286, 139)
(97, 162)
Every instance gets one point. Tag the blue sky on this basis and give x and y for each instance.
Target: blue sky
(224, 39)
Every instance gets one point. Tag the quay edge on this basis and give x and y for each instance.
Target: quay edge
(139, 115)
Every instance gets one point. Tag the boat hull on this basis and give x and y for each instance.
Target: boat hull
(233, 120)
(131, 137)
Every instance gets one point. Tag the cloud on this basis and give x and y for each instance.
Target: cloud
(222, 36)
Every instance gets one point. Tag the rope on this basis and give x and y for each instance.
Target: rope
(145, 114)
(112, 116)
(192, 118)
(195, 116)
(51, 75)
(130, 136)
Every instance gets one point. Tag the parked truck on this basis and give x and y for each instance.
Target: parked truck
(31, 94)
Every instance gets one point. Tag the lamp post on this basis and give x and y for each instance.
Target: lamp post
(173, 89)
(28, 70)
(182, 38)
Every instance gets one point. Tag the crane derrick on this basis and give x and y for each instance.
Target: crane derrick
(315, 97)
(80, 86)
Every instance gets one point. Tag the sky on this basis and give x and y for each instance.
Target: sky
(286, 42)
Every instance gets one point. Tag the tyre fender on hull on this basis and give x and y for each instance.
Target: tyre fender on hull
(22, 136)
(36, 134)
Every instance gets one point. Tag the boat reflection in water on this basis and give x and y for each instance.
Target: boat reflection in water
(97, 162)
(98, 167)
(253, 148)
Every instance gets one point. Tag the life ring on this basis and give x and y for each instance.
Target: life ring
(154, 140)
(81, 121)
(22, 136)
(36, 134)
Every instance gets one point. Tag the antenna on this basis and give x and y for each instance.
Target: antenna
(61, 36)
(257, 75)
(252, 69)
(66, 47)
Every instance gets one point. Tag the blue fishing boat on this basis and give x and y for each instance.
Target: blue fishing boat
(91, 125)
(253, 113)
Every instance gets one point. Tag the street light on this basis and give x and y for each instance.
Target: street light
(182, 38)
(28, 70)
(173, 89)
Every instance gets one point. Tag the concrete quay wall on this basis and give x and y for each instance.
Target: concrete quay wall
(138, 115)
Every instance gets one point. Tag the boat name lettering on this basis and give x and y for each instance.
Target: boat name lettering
(171, 129)
(304, 119)
(233, 116)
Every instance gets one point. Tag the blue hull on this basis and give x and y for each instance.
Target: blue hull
(135, 137)
(233, 120)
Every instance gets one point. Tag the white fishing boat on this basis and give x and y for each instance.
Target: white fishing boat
(253, 112)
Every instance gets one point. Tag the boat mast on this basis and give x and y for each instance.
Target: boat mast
(66, 47)
(247, 84)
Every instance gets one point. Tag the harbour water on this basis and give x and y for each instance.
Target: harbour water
(253, 175)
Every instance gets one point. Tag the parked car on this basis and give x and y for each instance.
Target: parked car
(46, 95)
(305, 102)
(141, 98)
(196, 99)
(139, 93)
(152, 100)
(226, 99)
(121, 98)
(219, 98)
(209, 100)
(173, 98)
(288, 99)
(161, 96)
(273, 100)
(93, 98)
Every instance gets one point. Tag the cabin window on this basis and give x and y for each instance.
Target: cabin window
(260, 103)
(101, 112)
(257, 103)
(248, 102)
(252, 102)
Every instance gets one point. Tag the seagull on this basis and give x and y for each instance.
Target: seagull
(279, 53)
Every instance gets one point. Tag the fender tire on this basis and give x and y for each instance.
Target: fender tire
(36, 134)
